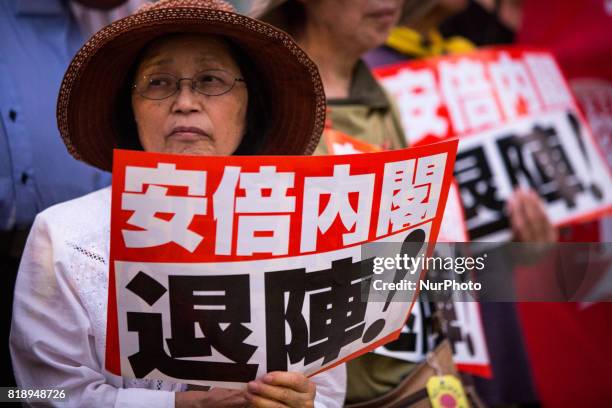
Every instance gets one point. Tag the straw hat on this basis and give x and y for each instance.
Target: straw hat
(87, 107)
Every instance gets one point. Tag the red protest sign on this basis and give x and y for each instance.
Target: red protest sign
(518, 126)
(225, 268)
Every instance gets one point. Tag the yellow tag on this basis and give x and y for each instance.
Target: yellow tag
(446, 392)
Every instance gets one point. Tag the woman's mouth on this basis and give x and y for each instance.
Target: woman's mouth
(386, 15)
(188, 133)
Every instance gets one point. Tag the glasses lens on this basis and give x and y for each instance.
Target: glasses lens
(213, 82)
(156, 86)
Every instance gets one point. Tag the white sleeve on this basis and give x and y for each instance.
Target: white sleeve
(331, 387)
(51, 340)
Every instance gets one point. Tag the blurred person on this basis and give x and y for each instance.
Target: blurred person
(241, 6)
(417, 35)
(485, 22)
(337, 35)
(429, 28)
(573, 369)
(205, 82)
(37, 40)
(90, 19)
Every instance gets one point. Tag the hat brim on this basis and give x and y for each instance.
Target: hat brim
(87, 109)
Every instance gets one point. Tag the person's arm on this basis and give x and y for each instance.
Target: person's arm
(52, 341)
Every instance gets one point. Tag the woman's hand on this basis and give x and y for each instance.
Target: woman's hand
(280, 390)
(215, 398)
(528, 219)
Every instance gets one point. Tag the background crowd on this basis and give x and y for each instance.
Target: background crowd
(548, 354)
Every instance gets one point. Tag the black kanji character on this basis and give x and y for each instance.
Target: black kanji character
(479, 193)
(337, 312)
(151, 355)
(539, 159)
(450, 327)
(227, 301)
(207, 301)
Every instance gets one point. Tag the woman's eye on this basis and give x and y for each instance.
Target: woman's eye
(209, 78)
(158, 82)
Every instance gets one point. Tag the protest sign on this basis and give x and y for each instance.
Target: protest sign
(225, 268)
(462, 326)
(518, 126)
(457, 317)
(416, 338)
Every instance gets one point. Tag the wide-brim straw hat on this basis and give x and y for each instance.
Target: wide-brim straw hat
(87, 108)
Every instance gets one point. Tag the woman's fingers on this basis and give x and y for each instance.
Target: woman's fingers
(258, 401)
(517, 215)
(282, 389)
(533, 219)
(282, 394)
(296, 381)
(528, 218)
(545, 231)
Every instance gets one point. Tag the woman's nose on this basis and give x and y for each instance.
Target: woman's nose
(187, 99)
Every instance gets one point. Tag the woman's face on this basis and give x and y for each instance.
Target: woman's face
(189, 122)
(361, 24)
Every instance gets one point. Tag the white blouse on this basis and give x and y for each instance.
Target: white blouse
(58, 332)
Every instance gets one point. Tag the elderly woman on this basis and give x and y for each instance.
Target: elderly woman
(184, 77)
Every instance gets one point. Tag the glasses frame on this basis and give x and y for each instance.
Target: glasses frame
(178, 81)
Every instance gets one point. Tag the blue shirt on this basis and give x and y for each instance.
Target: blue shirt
(38, 39)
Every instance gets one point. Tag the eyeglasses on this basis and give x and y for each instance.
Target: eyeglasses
(212, 82)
